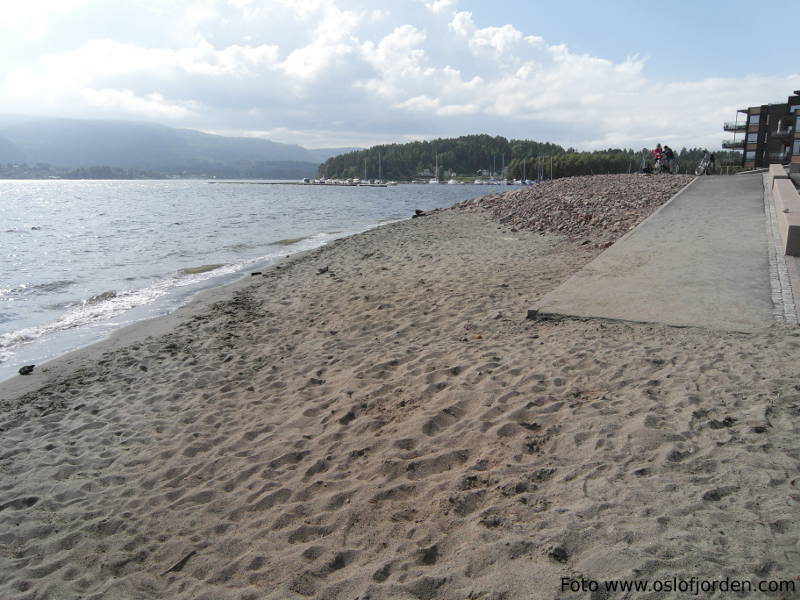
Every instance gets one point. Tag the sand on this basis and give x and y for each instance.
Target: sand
(394, 427)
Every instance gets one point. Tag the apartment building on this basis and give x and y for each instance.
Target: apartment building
(767, 134)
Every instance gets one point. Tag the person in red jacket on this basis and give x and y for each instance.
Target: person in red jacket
(658, 159)
(658, 153)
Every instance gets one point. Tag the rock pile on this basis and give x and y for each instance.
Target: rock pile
(596, 209)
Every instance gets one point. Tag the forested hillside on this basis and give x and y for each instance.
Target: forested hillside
(465, 155)
(483, 155)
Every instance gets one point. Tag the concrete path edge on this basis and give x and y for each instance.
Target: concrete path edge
(538, 314)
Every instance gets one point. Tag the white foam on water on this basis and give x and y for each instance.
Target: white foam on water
(108, 308)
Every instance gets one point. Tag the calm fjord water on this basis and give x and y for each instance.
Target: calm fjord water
(79, 259)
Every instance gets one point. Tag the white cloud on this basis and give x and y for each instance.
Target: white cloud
(440, 6)
(151, 106)
(32, 18)
(398, 61)
(333, 48)
(309, 62)
(350, 71)
(105, 58)
(435, 106)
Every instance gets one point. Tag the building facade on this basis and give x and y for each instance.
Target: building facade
(767, 134)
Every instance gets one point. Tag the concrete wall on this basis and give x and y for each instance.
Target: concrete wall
(777, 172)
(787, 209)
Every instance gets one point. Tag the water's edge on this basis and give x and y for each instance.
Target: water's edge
(83, 356)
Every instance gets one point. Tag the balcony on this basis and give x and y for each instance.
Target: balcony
(783, 133)
(778, 157)
(741, 126)
(733, 144)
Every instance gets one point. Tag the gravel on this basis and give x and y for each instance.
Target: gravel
(595, 209)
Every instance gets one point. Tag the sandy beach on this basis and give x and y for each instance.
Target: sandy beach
(378, 419)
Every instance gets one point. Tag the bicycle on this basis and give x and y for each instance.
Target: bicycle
(703, 168)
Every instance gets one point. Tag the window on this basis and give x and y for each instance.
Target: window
(750, 156)
(754, 119)
(752, 138)
(797, 122)
(796, 148)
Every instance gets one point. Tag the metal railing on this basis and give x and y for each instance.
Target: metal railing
(731, 144)
(733, 126)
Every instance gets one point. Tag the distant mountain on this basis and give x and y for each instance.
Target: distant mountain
(9, 151)
(323, 154)
(76, 143)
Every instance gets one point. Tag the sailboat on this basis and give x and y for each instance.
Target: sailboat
(435, 178)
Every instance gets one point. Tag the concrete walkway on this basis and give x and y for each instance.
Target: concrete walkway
(703, 259)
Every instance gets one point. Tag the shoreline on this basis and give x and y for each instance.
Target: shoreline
(120, 336)
(199, 301)
(378, 418)
(123, 277)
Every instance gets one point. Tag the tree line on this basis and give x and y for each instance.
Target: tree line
(48, 171)
(233, 170)
(572, 163)
(465, 155)
(485, 155)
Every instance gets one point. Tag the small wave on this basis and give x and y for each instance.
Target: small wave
(97, 309)
(243, 246)
(7, 317)
(200, 269)
(288, 241)
(53, 286)
(102, 297)
(15, 338)
(61, 305)
(102, 308)
(47, 287)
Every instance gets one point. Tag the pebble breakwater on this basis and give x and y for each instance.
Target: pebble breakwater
(594, 209)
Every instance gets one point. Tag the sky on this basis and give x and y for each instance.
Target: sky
(332, 73)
